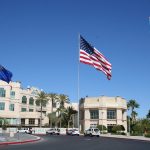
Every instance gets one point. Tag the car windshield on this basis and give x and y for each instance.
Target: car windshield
(96, 130)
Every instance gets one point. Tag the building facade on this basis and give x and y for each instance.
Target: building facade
(107, 111)
(19, 107)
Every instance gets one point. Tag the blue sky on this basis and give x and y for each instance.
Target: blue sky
(39, 44)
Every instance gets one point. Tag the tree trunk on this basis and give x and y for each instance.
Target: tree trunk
(41, 118)
(60, 120)
(68, 124)
(51, 123)
(52, 106)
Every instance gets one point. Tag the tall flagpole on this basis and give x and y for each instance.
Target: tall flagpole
(78, 82)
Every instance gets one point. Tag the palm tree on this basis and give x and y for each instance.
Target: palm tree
(61, 112)
(134, 114)
(63, 99)
(69, 115)
(53, 97)
(52, 118)
(42, 100)
(132, 104)
(146, 125)
(148, 115)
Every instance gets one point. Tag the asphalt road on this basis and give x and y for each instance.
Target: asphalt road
(80, 143)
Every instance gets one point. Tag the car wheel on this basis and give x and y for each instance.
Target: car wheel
(91, 135)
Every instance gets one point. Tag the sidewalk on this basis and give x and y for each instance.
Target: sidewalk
(141, 138)
(18, 138)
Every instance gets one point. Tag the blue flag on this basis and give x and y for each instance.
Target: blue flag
(5, 75)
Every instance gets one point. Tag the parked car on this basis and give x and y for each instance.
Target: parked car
(72, 132)
(53, 131)
(75, 132)
(92, 132)
(25, 130)
(69, 132)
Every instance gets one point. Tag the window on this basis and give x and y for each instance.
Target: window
(111, 114)
(2, 106)
(24, 99)
(37, 103)
(94, 114)
(31, 101)
(31, 121)
(11, 107)
(2, 92)
(30, 110)
(23, 109)
(23, 121)
(12, 94)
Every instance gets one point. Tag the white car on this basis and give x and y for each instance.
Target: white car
(24, 130)
(69, 132)
(75, 132)
(92, 132)
(53, 131)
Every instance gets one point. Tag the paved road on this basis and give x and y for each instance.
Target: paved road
(80, 143)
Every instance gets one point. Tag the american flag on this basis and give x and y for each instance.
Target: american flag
(91, 56)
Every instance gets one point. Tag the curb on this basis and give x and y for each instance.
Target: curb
(20, 142)
(124, 138)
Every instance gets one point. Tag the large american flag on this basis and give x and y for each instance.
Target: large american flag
(91, 56)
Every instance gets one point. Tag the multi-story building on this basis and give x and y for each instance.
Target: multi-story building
(19, 107)
(107, 111)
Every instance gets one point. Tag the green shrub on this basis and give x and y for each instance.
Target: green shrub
(122, 133)
(147, 135)
(136, 134)
(118, 133)
(103, 132)
(101, 127)
(117, 129)
(4, 127)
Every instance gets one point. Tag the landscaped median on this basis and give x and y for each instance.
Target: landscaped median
(18, 139)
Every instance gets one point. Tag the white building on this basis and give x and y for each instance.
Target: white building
(108, 111)
(18, 106)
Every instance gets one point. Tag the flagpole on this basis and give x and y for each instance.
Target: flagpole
(78, 82)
